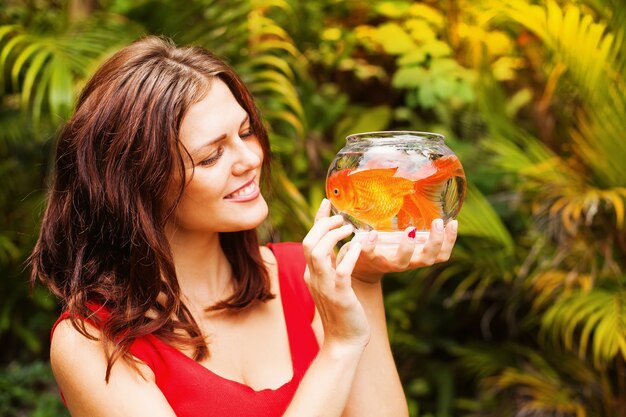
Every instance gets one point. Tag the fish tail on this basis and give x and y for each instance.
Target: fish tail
(405, 216)
(419, 210)
(424, 204)
(447, 167)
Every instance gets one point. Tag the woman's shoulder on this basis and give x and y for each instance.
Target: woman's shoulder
(76, 341)
(79, 363)
(70, 347)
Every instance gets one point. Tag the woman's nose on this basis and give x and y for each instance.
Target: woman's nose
(248, 156)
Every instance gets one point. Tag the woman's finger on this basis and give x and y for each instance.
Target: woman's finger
(368, 244)
(325, 246)
(432, 247)
(449, 239)
(346, 266)
(321, 227)
(323, 210)
(321, 257)
(405, 249)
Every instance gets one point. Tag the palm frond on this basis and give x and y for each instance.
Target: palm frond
(46, 68)
(479, 219)
(585, 46)
(596, 318)
(550, 284)
(594, 58)
(539, 393)
(269, 79)
(563, 194)
(599, 138)
(483, 359)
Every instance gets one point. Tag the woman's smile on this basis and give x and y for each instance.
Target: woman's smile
(247, 192)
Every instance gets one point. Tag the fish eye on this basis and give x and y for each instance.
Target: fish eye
(336, 191)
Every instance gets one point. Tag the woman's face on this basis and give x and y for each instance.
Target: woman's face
(222, 191)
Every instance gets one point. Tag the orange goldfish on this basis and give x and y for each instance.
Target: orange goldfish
(375, 196)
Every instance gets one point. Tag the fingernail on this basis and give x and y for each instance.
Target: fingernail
(325, 203)
(438, 225)
(411, 233)
(454, 225)
(371, 236)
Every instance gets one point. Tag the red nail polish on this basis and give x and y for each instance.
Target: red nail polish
(412, 233)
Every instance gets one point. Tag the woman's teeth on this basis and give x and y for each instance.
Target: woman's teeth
(244, 191)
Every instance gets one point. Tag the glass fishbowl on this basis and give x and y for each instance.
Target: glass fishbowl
(389, 181)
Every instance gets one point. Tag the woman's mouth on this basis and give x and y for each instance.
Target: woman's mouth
(246, 193)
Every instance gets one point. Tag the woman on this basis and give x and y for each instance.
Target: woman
(170, 305)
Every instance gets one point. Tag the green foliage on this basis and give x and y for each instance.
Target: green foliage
(29, 389)
(600, 312)
(44, 68)
(24, 317)
(527, 317)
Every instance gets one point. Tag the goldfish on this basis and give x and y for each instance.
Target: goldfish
(380, 196)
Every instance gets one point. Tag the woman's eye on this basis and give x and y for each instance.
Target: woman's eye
(248, 133)
(213, 158)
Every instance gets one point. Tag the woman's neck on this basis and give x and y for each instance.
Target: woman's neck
(203, 271)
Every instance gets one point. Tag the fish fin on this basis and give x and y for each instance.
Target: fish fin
(420, 209)
(446, 167)
(404, 217)
(362, 209)
(386, 224)
(368, 174)
(425, 205)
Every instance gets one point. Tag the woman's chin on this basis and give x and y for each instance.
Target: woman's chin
(255, 218)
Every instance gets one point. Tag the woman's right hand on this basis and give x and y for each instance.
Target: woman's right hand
(342, 315)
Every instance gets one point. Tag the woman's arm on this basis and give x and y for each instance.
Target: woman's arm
(354, 374)
(79, 366)
(325, 388)
(377, 390)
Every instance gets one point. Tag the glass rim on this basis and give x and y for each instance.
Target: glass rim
(389, 134)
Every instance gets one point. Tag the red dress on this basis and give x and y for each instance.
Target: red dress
(194, 391)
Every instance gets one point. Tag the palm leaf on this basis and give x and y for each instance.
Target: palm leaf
(550, 284)
(539, 393)
(599, 316)
(594, 58)
(599, 138)
(479, 219)
(46, 68)
(582, 44)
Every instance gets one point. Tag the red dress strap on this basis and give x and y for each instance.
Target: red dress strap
(298, 305)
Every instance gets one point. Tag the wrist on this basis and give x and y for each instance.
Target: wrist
(367, 278)
(366, 286)
(337, 350)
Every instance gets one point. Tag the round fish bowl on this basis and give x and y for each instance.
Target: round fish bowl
(389, 181)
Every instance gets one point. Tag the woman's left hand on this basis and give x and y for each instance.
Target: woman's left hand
(375, 261)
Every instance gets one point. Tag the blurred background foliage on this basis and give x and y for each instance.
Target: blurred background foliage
(528, 318)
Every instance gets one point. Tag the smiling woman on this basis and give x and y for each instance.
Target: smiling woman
(223, 172)
(171, 306)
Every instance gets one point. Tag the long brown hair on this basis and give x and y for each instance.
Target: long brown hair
(102, 240)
